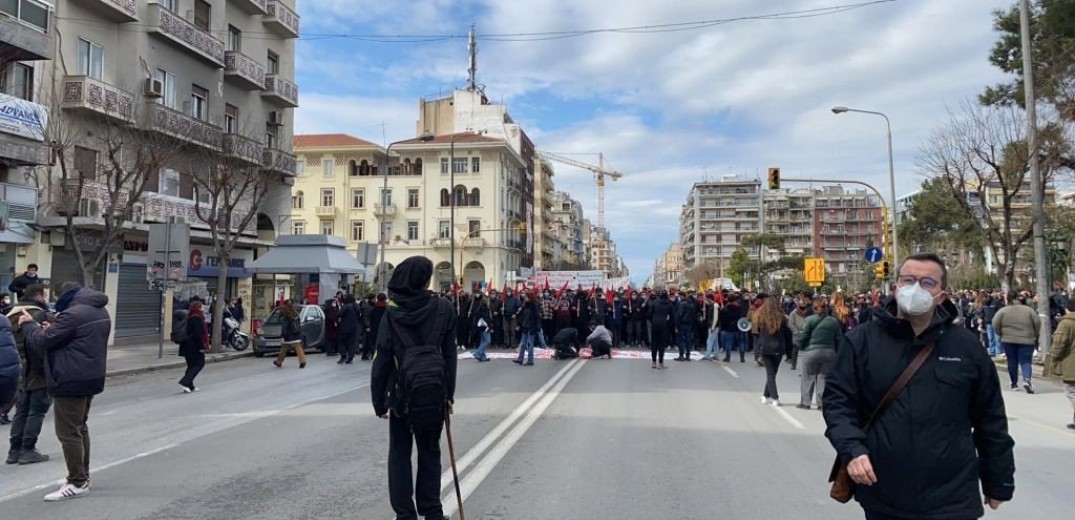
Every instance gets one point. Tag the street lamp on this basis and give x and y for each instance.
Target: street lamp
(425, 138)
(891, 180)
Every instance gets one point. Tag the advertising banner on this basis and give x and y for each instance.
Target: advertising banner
(23, 118)
(573, 279)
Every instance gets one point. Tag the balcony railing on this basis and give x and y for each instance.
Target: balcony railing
(474, 243)
(281, 91)
(278, 161)
(121, 11)
(326, 211)
(281, 19)
(243, 149)
(96, 96)
(186, 35)
(157, 207)
(388, 210)
(442, 243)
(174, 123)
(250, 6)
(244, 70)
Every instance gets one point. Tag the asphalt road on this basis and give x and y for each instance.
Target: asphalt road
(561, 440)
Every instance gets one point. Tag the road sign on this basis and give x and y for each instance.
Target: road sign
(814, 270)
(874, 255)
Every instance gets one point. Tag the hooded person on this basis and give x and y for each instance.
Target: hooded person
(413, 385)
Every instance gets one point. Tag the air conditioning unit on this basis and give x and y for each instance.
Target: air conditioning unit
(153, 88)
(276, 118)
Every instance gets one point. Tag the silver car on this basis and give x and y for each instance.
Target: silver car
(270, 334)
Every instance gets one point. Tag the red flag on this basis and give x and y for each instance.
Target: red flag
(630, 291)
(593, 290)
(610, 297)
(547, 283)
(455, 287)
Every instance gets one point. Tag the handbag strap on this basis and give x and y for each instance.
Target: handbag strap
(900, 384)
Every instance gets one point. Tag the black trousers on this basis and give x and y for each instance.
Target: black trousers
(30, 411)
(873, 515)
(659, 342)
(772, 366)
(346, 344)
(195, 363)
(403, 489)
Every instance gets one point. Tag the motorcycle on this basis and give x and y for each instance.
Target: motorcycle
(232, 336)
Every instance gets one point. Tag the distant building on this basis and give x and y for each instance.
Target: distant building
(668, 272)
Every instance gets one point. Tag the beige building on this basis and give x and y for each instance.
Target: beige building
(341, 192)
(206, 83)
(567, 221)
(668, 272)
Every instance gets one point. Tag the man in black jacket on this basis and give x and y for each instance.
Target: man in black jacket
(75, 345)
(347, 330)
(415, 310)
(34, 401)
(24, 280)
(946, 431)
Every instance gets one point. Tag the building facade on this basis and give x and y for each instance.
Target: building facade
(198, 86)
(668, 271)
(567, 220)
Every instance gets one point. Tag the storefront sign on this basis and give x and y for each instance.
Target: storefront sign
(166, 241)
(22, 118)
(204, 263)
(135, 246)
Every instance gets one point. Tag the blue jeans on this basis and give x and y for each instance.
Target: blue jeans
(486, 338)
(711, 345)
(541, 338)
(526, 346)
(994, 341)
(731, 341)
(1019, 357)
(686, 340)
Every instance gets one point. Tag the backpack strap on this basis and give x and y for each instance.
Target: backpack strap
(900, 383)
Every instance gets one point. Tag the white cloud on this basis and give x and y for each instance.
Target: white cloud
(737, 97)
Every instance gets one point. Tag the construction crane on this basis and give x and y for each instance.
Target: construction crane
(599, 171)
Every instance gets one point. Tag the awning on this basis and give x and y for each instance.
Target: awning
(307, 254)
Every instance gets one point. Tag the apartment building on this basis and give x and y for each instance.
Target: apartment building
(210, 81)
(669, 268)
(567, 218)
(341, 191)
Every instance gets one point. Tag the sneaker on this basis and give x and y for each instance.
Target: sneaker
(775, 402)
(13, 456)
(67, 492)
(528, 364)
(764, 400)
(32, 456)
(1028, 386)
(1014, 387)
(517, 361)
(1071, 426)
(186, 389)
(802, 407)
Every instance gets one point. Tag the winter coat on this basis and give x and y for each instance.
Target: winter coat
(332, 312)
(687, 314)
(946, 433)
(10, 365)
(775, 344)
(347, 320)
(529, 317)
(1064, 349)
(33, 363)
(819, 332)
(292, 330)
(196, 333)
(1017, 324)
(20, 283)
(75, 345)
(511, 306)
(795, 323)
(662, 313)
(729, 317)
(376, 317)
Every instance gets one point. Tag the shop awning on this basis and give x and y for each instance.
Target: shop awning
(307, 254)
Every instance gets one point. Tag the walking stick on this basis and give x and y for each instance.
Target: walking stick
(451, 453)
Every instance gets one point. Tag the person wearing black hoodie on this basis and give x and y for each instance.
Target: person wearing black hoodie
(347, 330)
(415, 310)
(662, 324)
(380, 306)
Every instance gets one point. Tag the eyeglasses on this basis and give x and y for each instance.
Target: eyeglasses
(926, 282)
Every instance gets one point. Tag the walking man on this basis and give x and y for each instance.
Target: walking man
(74, 345)
(413, 385)
(944, 440)
(1063, 365)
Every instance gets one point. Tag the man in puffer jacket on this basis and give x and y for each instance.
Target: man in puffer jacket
(9, 362)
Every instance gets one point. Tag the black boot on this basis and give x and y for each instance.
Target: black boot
(13, 455)
(31, 456)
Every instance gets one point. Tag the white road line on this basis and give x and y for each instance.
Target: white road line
(787, 417)
(49, 484)
(474, 479)
(479, 449)
(730, 371)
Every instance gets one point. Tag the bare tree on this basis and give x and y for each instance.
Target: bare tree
(981, 156)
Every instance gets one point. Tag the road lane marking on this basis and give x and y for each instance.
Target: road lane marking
(472, 480)
(787, 417)
(1064, 432)
(730, 371)
(479, 449)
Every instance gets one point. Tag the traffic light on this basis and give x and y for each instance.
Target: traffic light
(886, 269)
(774, 178)
(881, 270)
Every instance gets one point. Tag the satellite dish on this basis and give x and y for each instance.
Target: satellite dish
(743, 324)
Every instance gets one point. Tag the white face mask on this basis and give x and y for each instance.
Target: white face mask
(914, 300)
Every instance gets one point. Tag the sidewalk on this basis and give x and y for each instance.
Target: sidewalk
(137, 359)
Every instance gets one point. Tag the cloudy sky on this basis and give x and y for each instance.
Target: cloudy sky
(666, 108)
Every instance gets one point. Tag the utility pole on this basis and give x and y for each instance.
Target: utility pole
(1037, 190)
(472, 47)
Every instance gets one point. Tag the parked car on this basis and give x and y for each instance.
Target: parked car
(311, 320)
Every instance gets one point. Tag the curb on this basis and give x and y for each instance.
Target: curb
(212, 358)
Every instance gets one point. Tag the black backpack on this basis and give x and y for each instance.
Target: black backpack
(179, 326)
(421, 376)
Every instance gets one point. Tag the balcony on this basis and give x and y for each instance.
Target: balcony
(243, 71)
(242, 149)
(157, 207)
(326, 212)
(280, 91)
(474, 243)
(121, 11)
(250, 6)
(83, 93)
(387, 211)
(25, 30)
(173, 123)
(280, 19)
(87, 198)
(186, 35)
(278, 161)
(442, 243)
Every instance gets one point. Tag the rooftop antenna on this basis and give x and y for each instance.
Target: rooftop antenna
(472, 46)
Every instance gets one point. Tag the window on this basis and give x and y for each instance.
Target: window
(168, 80)
(386, 196)
(169, 182)
(386, 231)
(274, 63)
(412, 230)
(298, 227)
(358, 231)
(358, 198)
(91, 59)
(417, 167)
(231, 118)
(328, 198)
(459, 165)
(475, 164)
(412, 198)
(296, 200)
(327, 166)
(86, 162)
(272, 137)
(444, 229)
(460, 195)
(473, 226)
(364, 168)
(475, 198)
(18, 81)
(199, 103)
(202, 14)
(327, 227)
(235, 39)
(167, 4)
(444, 165)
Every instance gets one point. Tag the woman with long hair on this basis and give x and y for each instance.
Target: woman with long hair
(292, 337)
(774, 340)
(842, 312)
(193, 348)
